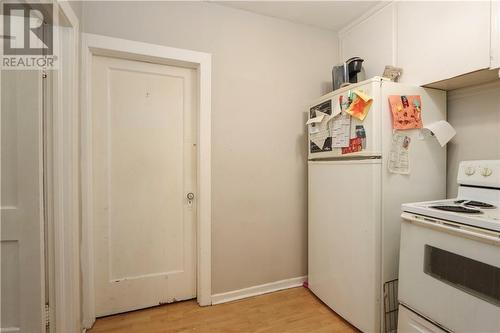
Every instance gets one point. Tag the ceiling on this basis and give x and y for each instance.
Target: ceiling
(332, 15)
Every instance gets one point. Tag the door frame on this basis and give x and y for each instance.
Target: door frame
(63, 195)
(62, 186)
(97, 45)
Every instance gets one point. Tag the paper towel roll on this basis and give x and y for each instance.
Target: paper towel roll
(442, 130)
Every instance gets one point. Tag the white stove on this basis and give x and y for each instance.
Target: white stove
(449, 268)
(478, 200)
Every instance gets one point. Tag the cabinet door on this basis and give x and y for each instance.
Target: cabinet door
(495, 34)
(440, 40)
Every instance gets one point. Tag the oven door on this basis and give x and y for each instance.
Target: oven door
(450, 273)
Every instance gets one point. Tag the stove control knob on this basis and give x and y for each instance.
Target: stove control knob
(469, 171)
(486, 172)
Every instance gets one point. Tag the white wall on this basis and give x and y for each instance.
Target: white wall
(77, 7)
(371, 39)
(475, 114)
(265, 72)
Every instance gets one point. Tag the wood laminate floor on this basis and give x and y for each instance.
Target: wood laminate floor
(292, 310)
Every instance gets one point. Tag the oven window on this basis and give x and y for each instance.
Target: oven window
(474, 277)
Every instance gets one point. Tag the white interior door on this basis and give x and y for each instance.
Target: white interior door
(22, 279)
(144, 141)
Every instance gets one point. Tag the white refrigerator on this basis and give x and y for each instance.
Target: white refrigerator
(354, 205)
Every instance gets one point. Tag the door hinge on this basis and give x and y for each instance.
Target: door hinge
(47, 315)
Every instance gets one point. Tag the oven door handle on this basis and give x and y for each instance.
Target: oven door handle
(454, 228)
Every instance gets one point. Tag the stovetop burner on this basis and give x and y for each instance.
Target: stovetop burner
(458, 209)
(472, 203)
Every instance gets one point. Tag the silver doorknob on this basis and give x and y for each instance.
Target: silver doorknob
(190, 196)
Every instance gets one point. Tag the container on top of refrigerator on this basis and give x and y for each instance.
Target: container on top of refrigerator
(351, 71)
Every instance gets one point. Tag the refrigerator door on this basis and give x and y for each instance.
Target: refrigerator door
(427, 177)
(344, 238)
(371, 123)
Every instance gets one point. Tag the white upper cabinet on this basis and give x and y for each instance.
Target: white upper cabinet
(495, 34)
(441, 40)
(431, 41)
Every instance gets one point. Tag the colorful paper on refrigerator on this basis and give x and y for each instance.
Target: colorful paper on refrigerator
(406, 112)
(345, 101)
(361, 133)
(355, 145)
(360, 105)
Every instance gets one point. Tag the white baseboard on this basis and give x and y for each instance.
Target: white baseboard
(10, 329)
(257, 290)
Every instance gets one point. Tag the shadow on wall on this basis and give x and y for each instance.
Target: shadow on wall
(474, 112)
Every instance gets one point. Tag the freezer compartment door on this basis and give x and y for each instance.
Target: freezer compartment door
(344, 238)
(370, 126)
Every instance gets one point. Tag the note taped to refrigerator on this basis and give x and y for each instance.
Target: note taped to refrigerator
(360, 105)
(336, 107)
(345, 100)
(361, 133)
(406, 112)
(319, 132)
(355, 145)
(314, 123)
(399, 157)
(341, 130)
